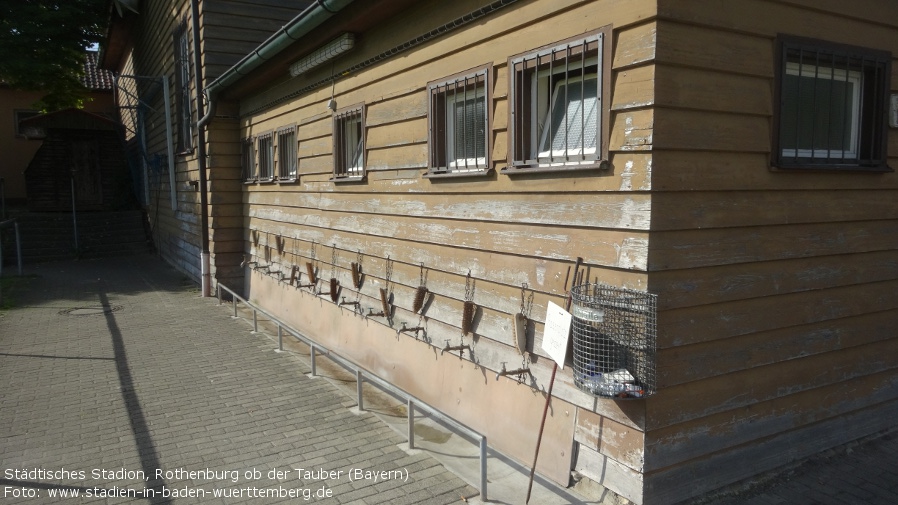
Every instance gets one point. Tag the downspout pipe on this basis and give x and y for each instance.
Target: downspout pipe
(312, 17)
(306, 21)
(205, 261)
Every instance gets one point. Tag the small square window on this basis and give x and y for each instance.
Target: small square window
(266, 157)
(287, 159)
(21, 115)
(558, 100)
(460, 124)
(248, 159)
(831, 107)
(349, 143)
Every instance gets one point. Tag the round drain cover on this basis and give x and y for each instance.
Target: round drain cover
(90, 311)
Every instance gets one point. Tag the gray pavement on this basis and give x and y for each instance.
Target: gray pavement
(120, 383)
(118, 379)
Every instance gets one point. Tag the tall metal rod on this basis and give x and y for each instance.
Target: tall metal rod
(483, 479)
(358, 386)
(312, 359)
(255, 321)
(74, 212)
(411, 424)
(542, 424)
(280, 338)
(18, 246)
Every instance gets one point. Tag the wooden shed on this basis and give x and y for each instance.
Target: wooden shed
(81, 153)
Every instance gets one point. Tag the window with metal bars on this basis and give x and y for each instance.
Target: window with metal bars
(266, 157)
(831, 105)
(182, 83)
(459, 118)
(349, 143)
(248, 159)
(287, 159)
(558, 100)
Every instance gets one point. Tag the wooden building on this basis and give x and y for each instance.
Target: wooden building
(153, 53)
(733, 158)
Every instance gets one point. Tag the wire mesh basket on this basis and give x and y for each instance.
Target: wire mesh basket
(614, 340)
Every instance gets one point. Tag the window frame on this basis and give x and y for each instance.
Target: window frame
(558, 62)
(183, 99)
(19, 115)
(867, 148)
(441, 128)
(248, 159)
(341, 120)
(289, 158)
(265, 157)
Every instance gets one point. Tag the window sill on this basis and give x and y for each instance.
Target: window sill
(348, 179)
(270, 180)
(458, 174)
(544, 169)
(249, 182)
(293, 180)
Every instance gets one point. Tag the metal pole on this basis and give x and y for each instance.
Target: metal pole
(542, 424)
(314, 369)
(74, 213)
(358, 387)
(483, 479)
(255, 321)
(280, 338)
(18, 247)
(411, 424)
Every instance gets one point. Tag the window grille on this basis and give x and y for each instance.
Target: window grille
(248, 159)
(287, 158)
(459, 124)
(182, 83)
(832, 102)
(266, 157)
(349, 143)
(557, 99)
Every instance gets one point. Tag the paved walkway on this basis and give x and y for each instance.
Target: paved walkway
(120, 382)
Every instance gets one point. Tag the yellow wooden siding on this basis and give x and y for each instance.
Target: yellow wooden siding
(776, 289)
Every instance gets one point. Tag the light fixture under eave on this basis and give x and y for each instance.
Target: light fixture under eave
(324, 53)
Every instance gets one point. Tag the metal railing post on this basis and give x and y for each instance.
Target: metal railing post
(18, 246)
(358, 387)
(411, 424)
(483, 469)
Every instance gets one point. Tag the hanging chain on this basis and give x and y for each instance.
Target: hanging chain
(334, 261)
(388, 275)
(526, 309)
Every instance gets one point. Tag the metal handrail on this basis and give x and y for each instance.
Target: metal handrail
(15, 225)
(363, 375)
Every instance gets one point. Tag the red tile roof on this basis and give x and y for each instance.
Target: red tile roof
(95, 78)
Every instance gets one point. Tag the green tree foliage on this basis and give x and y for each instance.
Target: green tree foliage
(42, 45)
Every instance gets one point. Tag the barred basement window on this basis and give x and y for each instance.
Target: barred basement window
(248, 159)
(559, 104)
(287, 159)
(349, 143)
(266, 157)
(460, 123)
(831, 107)
(182, 85)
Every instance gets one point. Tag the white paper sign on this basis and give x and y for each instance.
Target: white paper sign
(557, 333)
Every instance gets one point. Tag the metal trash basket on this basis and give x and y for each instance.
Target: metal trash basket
(614, 340)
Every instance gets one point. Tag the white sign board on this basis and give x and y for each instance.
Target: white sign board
(557, 333)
